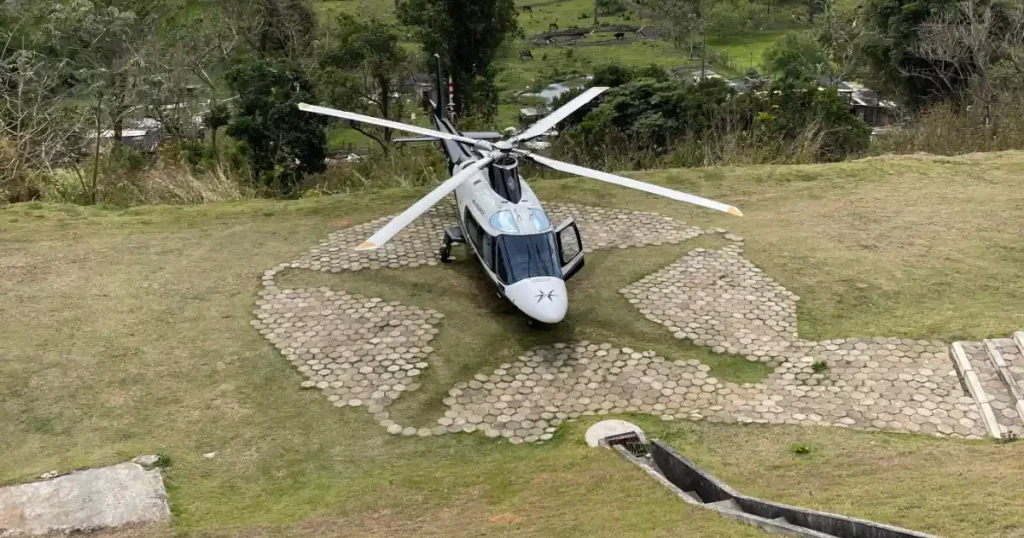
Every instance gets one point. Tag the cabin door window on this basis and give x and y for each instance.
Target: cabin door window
(570, 248)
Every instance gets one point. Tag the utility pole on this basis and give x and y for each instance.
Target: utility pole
(595, 12)
(704, 56)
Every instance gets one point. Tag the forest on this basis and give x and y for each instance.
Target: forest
(124, 102)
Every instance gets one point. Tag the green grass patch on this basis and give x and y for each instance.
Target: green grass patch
(127, 332)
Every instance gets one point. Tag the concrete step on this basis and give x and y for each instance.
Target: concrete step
(965, 368)
(996, 402)
(1008, 359)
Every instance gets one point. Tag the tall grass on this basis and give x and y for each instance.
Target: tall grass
(128, 179)
(951, 129)
(719, 146)
(402, 166)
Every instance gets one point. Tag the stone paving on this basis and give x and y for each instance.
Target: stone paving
(366, 352)
(718, 299)
(883, 384)
(358, 351)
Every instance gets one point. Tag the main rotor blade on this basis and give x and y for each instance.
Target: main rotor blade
(557, 116)
(482, 144)
(398, 223)
(632, 183)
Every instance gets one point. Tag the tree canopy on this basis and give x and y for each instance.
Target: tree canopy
(467, 34)
(282, 143)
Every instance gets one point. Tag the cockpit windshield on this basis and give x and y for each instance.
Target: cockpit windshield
(520, 257)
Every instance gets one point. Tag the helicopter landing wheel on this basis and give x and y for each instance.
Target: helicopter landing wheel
(446, 254)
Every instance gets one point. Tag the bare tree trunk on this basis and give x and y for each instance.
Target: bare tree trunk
(96, 156)
(213, 142)
(385, 106)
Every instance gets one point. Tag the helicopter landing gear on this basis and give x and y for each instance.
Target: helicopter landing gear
(452, 236)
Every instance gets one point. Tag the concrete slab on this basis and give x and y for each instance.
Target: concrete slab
(88, 500)
(608, 428)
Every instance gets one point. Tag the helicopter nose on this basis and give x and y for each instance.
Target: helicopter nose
(544, 299)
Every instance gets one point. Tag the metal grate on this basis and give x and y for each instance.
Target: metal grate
(631, 442)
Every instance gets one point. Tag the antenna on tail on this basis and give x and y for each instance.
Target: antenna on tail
(440, 106)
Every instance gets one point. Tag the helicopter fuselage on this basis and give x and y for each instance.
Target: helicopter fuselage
(502, 221)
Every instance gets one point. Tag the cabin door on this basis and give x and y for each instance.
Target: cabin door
(570, 248)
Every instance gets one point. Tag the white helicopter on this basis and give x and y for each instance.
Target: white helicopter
(500, 217)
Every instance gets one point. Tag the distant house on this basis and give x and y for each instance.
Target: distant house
(530, 115)
(144, 135)
(864, 102)
(147, 133)
(706, 74)
(749, 83)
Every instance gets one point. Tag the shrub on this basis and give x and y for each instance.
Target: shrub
(281, 143)
(708, 123)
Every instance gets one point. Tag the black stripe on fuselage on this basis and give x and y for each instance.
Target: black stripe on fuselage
(458, 152)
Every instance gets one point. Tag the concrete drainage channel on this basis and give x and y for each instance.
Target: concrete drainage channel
(697, 487)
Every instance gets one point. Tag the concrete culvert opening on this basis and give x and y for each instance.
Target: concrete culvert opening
(631, 442)
(697, 487)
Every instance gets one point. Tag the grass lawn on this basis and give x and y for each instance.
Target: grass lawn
(745, 51)
(127, 332)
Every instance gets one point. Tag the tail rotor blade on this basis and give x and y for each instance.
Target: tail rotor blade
(400, 222)
(482, 144)
(632, 183)
(557, 116)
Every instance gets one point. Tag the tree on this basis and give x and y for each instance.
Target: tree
(37, 125)
(678, 18)
(936, 50)
(893, 29)
(797, 56)
(271, 28)
(363, 68)
(649, 115)
(282, 143)
(815, 8)
(841, 36)
(965, 45)
(467, 34)
(794, 108)
(101, 40)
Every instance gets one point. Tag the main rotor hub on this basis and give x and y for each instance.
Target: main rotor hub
(503, 146)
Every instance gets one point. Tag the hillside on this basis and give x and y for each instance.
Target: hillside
(560, 62)
(128, 332)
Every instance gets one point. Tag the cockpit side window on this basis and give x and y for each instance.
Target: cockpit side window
(482, 241)
(473, 228)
